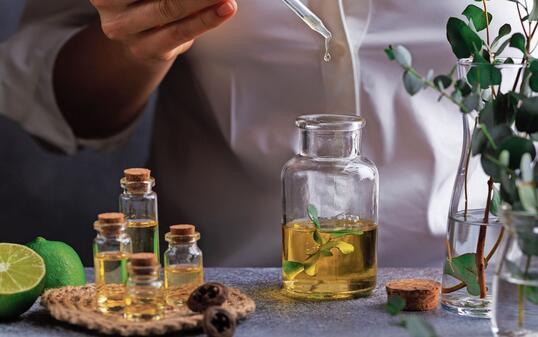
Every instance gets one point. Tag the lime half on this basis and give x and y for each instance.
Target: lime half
(22, 275)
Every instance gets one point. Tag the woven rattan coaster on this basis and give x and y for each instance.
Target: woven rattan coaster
(75, 305)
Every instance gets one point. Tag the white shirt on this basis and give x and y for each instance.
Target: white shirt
(224, 124)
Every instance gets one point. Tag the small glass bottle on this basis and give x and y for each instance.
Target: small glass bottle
(139, 204)
(143, 297)
(111, 249)
(183, 265)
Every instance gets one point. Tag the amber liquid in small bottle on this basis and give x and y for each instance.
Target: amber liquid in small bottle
(110, 278)
(143, 303)
(180, 281)
(144, 299)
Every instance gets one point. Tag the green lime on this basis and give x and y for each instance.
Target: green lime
(22, 276)
(64, 267)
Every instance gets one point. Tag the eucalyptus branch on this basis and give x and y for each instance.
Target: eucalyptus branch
(484, 3)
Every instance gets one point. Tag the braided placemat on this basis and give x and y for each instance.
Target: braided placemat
(76, 305)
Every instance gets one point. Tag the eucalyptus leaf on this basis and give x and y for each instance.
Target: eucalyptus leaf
(345, 232)
(533, 82)
(442, 81)
(503, 31)
(412, 83)
(310, 265)
(471, 102)
(533, 15)
(518, 41)
(429, 75)
(344, 247)
(517, 147)
(313, 215)
(317, 237)
(495, 202)
(528, 240)
(462, 39)
(485, 75)
(291, 269)
(395, 305)
(527, 196)
(403, 56)
(477, 16)
(389, 51)
(527, 115)
(526, 168)
(463, 268)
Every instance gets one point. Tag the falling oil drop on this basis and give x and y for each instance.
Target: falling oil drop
(327, 57)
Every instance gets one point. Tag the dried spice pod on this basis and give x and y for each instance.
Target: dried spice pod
(219, 322)
(207, 295)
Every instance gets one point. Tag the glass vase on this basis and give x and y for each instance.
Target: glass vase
(515, 288)
(474, 232)
(329, 222)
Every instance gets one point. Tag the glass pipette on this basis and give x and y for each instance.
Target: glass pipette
(313, 21)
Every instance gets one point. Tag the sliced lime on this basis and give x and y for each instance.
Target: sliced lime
(22, 274)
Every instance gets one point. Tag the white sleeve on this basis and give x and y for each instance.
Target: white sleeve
(26, 69)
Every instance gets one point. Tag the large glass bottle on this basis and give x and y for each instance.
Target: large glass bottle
(111, 248)
(139, 204)
(330, 212)
(474, 232)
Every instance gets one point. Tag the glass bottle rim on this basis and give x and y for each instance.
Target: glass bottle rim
(329, 122)
(469, 62)
(181, 239)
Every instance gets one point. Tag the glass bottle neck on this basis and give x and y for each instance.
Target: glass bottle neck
(137, 187)
(330, 144)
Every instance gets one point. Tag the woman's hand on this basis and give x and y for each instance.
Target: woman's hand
(161, 29)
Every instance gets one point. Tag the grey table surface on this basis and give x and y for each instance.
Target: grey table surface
(279, 316)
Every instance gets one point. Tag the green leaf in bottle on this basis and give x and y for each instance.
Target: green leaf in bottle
(463, 268)
(291, 269)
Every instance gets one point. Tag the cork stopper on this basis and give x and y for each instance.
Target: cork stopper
(110, 223)
(143, 260)
(419, 294)
(111, 218)
(137, 174)
(182, 229)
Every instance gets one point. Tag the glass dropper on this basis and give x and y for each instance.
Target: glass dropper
(313, 21)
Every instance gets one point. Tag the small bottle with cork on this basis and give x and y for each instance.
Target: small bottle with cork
(111, 249)
(139, 204)
(143, 296)
(183, 264)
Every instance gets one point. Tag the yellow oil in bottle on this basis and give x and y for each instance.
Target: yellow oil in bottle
(143, 303)
(111, 275)
(144, 236)
(180, 281)
(322, 270)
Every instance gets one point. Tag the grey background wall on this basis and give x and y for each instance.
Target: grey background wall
(55, 196)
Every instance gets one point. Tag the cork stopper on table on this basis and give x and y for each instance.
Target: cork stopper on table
(419, 294)
(183, 229)
(137, 174)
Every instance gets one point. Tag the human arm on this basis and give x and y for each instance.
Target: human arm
(104, 75)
